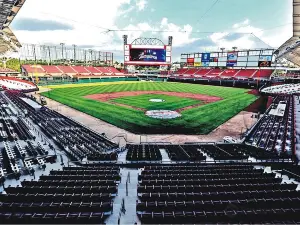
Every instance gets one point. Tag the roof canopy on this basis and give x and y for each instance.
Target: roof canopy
(290, 50)
(8, 11)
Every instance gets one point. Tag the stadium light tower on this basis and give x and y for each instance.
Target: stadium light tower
(34, 53)
(222, 49)
(74, 46)
(91, 52)
(49, 52)
(62, 50)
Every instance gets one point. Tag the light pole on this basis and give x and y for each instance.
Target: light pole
(222, 49)
(49, 55)
(74, 46)
(91, 52)
(62, 51)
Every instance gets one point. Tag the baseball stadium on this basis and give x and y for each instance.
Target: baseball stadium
(198, 137)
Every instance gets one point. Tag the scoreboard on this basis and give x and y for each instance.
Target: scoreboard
(147, 55)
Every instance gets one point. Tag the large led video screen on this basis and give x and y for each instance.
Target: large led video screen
(148, 55)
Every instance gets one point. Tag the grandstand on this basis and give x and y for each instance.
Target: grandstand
(59, 166)
(232, 73)
(8, 72)
(17, 84)
(58, 71)
(9, 9)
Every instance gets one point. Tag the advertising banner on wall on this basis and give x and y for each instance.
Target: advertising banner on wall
(197, 64)
(183, 64)
(232, 56)
(264, 64)
(231, 64)
(205, 64)
(190, 60)
(265, 61)
(197, 60)
(205, 57)
(214, 59)
(265, 58)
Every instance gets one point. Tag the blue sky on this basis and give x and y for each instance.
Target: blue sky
(84, 23)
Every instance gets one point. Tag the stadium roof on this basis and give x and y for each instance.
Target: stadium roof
(290, 50)
(8, 11)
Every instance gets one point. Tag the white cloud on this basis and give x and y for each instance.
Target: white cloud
(86, 21)
(244, 23)
(126, 11)
(141, 4)
(249, 36)
(216, 37)
(181, 34)
(134, 31)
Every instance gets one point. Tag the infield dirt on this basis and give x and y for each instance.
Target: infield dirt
(105, 97)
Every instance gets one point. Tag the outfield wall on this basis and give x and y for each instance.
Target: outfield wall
(85, 81)
(249, 84)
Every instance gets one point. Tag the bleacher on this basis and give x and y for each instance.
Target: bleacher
(202, 72)
(51, 70)
(227, 73)
(191, 71)
(263, 74)
(42, 70)
(246, 73)
(93, 70)
(114, 70)
(7, 71)
(67, 70)
(143, 153)
(33, 69)
(211, 194)
(197, 184)
(17, 84)
(275, 133)
(214, 73)
(78, 141)
(181, 71)
(79, 195)
(80, 69)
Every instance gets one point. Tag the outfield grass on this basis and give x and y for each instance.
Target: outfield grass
(198, 120)
(170, 103)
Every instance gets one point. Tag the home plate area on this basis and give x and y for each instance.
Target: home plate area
(162, 114)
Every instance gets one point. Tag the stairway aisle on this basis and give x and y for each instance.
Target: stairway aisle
(130, 201)
(165, 156)
(122, 157)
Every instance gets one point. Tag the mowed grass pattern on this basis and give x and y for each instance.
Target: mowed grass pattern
(198, 120)
(170, 102)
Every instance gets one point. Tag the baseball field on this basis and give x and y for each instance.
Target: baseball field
(202, 108)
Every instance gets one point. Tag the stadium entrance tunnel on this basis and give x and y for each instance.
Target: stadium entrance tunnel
(162, 114)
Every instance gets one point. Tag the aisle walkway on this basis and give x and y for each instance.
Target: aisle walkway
(129, 217)
(165, 156)
(122, 157)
